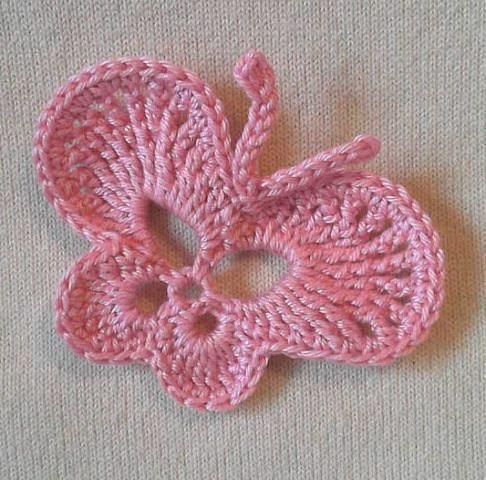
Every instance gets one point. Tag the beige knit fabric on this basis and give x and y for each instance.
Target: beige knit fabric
(411, 72)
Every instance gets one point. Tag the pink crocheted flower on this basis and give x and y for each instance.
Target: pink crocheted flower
(365, 270)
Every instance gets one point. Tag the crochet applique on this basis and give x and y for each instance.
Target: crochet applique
(365, 270)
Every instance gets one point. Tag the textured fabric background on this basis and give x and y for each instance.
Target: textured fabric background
(412, 73)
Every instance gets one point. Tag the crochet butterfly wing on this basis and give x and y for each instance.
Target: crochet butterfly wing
(365, 267)
(126, 132)
(365, 275)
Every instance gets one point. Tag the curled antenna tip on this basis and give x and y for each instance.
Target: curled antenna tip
(254, 74)
(371, 146)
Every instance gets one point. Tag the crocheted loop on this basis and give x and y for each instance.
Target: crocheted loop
(365, 269)
(97, 310)
(204, 359)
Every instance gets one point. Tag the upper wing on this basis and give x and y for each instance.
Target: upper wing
(127, 132)
(365, 274)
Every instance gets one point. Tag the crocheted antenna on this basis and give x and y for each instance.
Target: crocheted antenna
(365, 270)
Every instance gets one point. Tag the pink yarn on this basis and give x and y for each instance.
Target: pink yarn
(365, 269)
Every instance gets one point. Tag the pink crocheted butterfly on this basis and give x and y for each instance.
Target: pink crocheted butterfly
(365, 270)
